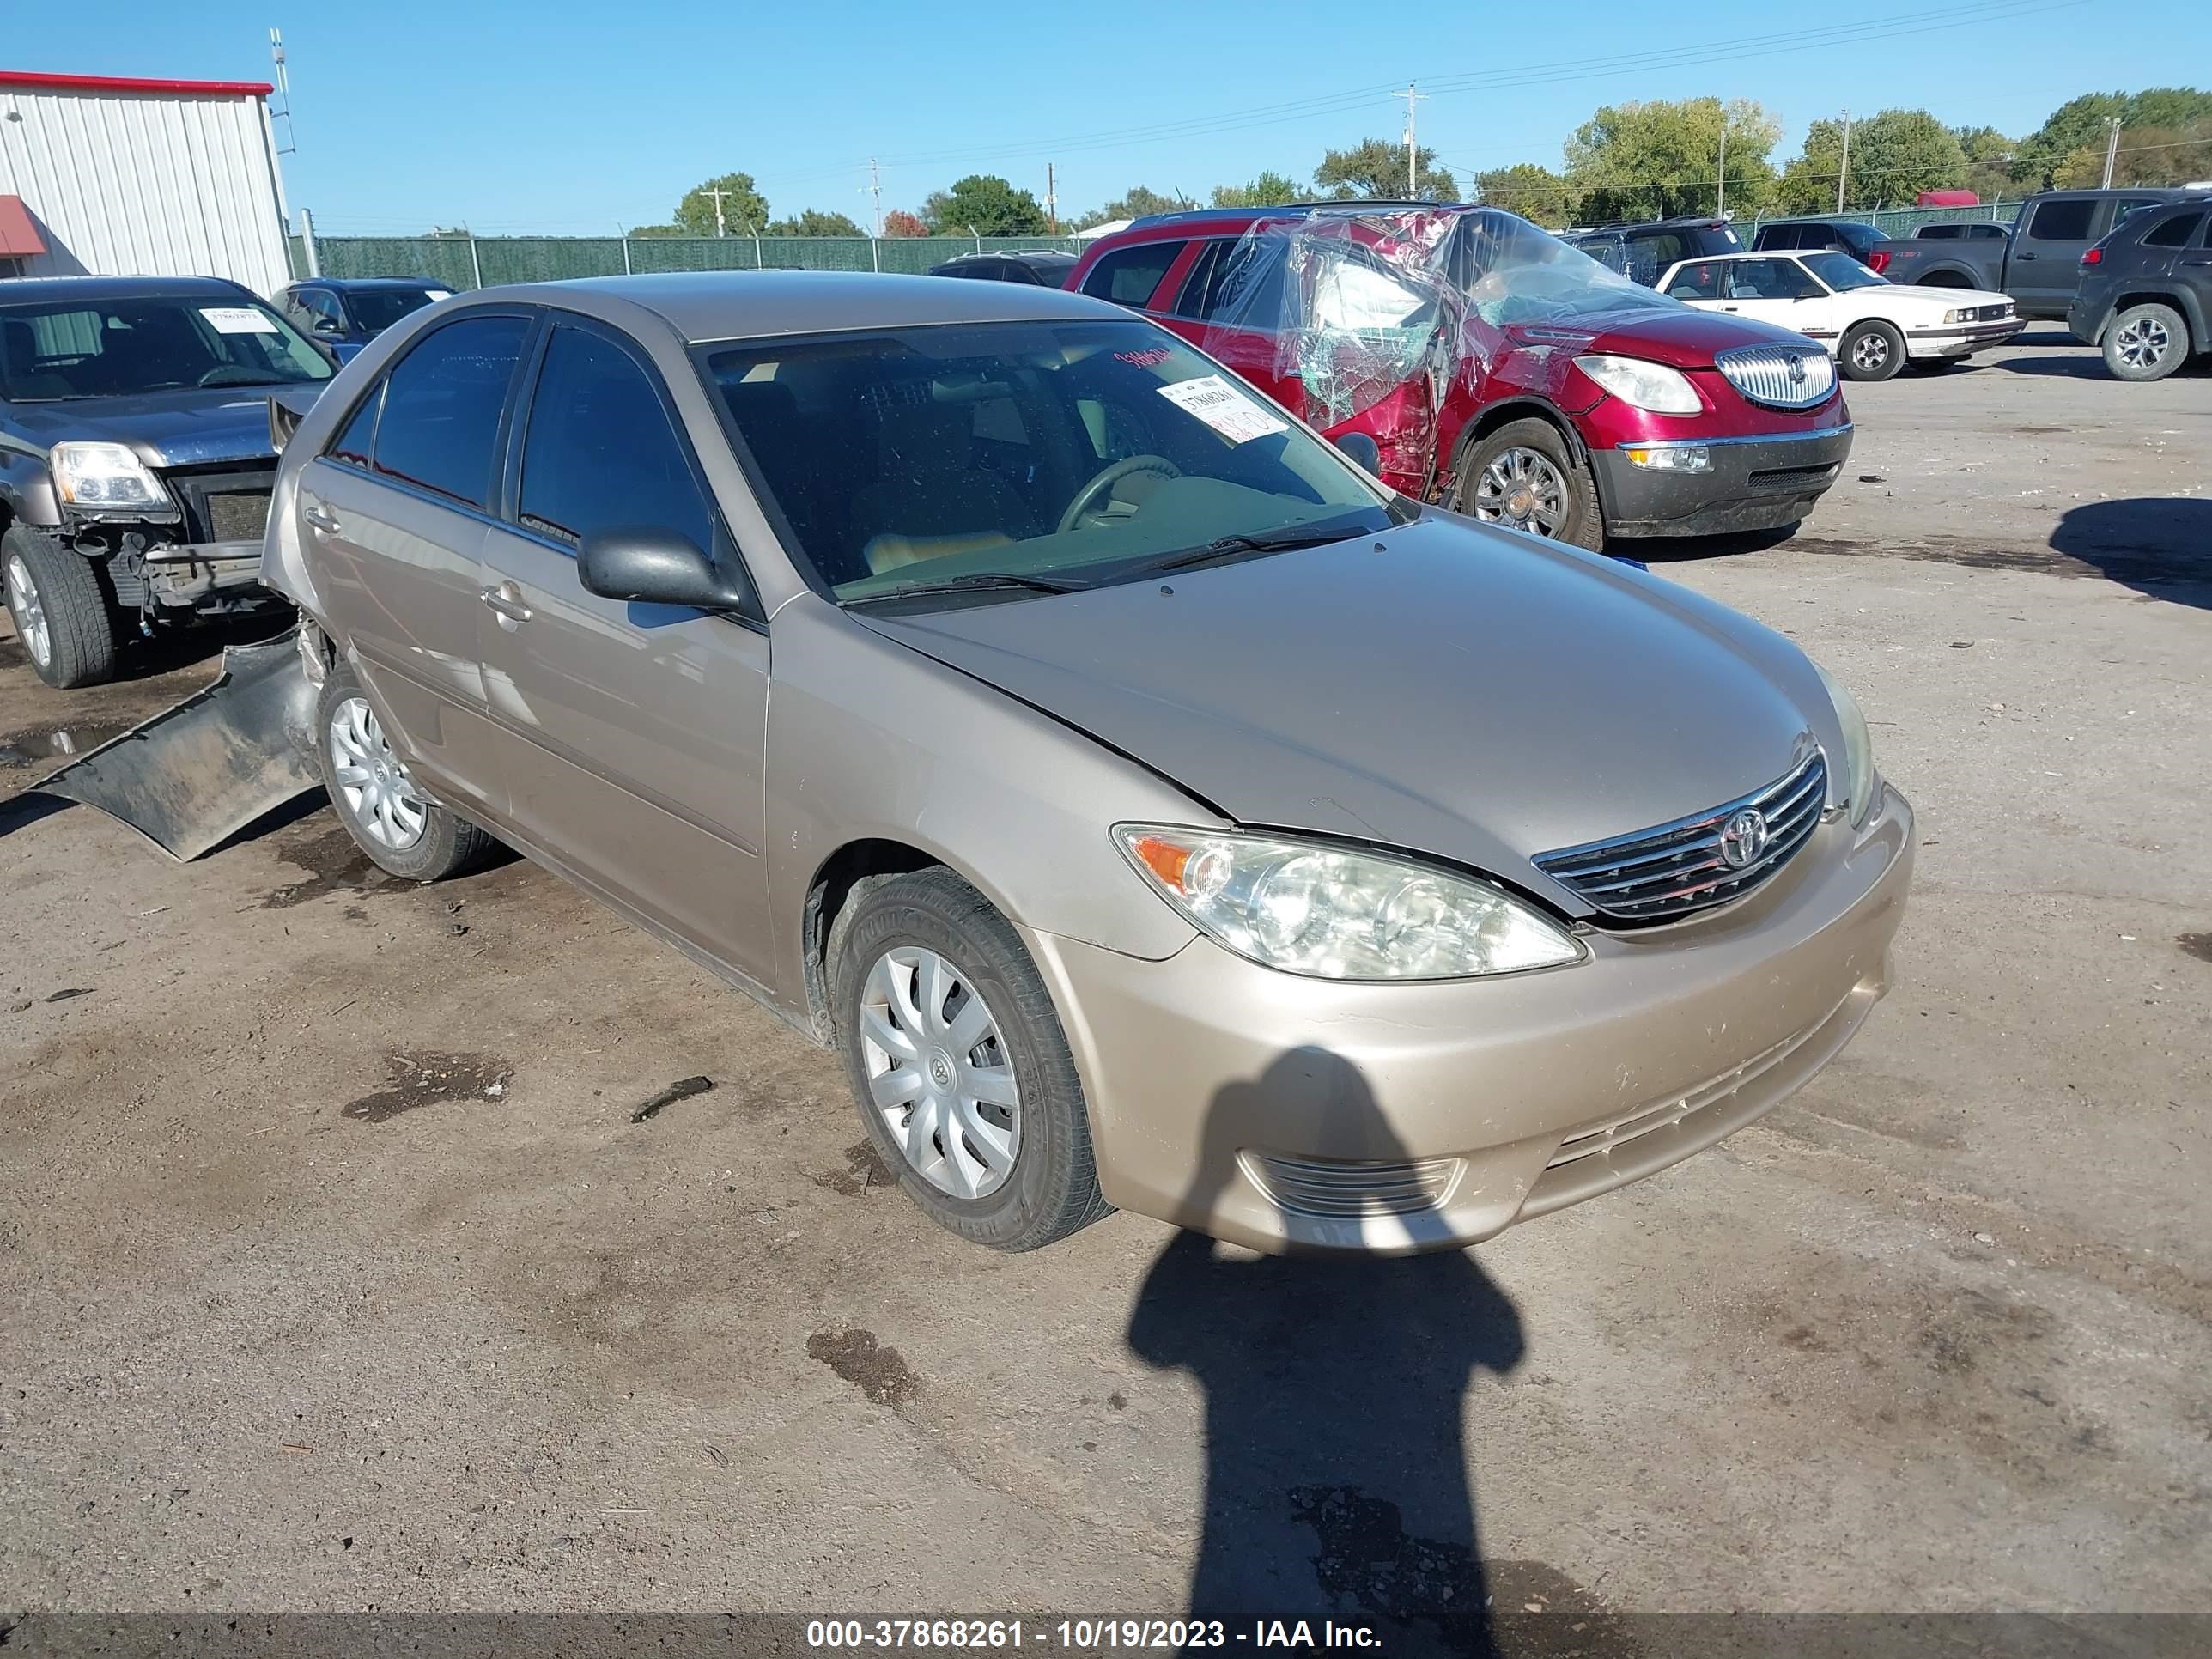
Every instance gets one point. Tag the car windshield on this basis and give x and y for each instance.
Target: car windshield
(1512, 272)
(72, 348)
(375, 309)
(1841, 272)
(1052, 453)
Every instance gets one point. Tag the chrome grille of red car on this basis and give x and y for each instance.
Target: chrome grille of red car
(1680, 868)
(1781, 377)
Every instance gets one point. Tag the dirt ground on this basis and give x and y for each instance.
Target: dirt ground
(335, 1274)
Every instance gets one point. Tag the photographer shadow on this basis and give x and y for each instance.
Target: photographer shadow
(1336, 1472)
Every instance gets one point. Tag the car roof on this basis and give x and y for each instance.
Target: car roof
(347, 284)
(1225, 218)
(32, 290)
(729, 305)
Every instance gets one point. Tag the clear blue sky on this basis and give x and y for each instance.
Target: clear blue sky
(571, 115)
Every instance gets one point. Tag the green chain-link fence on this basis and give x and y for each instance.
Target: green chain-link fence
(1901, 221)
(460, 262)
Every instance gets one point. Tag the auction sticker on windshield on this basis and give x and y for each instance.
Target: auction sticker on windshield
(1221, 406)
(238, 320)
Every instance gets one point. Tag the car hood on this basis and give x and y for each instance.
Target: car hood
(170, 428)
(1674, 335)
(1445, 688)
(1946, 297)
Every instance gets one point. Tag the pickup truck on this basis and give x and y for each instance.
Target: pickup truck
(2040, 264)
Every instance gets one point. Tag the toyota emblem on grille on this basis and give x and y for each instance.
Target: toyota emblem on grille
(1743, 837)
(1796, 370)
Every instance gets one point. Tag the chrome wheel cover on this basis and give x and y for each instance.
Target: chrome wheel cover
(1521, 489)
(378, 792)
(940, 1076)
(1870, 350)
(2142, 343)
(38, 633)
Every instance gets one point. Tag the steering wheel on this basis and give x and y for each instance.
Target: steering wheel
(1101, 488)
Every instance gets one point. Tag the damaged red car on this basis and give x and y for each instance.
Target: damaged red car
(1497, 370)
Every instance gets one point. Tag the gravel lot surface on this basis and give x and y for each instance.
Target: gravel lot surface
(334, 1274)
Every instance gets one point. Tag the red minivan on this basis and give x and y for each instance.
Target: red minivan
(1497, 370)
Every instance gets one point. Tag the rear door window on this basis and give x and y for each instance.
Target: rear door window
(442, 404)
(1128, 276)
(1651, 253)
(1697, 282)
(2174, 232)
(602, 448)
(2063, 220)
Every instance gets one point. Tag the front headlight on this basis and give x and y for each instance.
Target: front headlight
(105, 477)
(1310, 908)
(1858, 744)
(1954, 316)
(1654, 386)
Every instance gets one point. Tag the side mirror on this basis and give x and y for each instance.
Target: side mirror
(1362, 451)
(652, 566)
(327, 326)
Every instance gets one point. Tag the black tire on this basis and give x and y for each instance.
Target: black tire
(82, 638)
(1051, 1189)
(2146, 342)
(447, 845)
(1584, 526)
(1871, 350)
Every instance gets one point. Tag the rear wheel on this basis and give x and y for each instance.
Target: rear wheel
(403, 830)
(60, 608)
(1871, 351)
(1524, 477)
(2146, 342)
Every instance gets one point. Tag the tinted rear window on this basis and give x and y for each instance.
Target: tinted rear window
(2063, 221)
(1128, 276)
(442, 404)
(2174, 232)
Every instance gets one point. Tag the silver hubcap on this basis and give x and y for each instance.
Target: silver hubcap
(939, 1072)
(1870, 351)
(1523, 488)
(2142, 343)
(30, 615)
(378, 792)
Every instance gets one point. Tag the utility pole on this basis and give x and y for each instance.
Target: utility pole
(1412, 98)
(1720, 192)
(1843, 174)
(2111, 151)
(1051, 202)
(718, 195)
(876, 188)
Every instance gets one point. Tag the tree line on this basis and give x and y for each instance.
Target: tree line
(1632, 161)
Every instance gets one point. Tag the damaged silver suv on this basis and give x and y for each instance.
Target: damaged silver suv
(135, 458)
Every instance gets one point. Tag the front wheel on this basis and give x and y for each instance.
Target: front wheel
(1524, 477)
(59, 605)
(1871, 351)
(2146, 342)
(963, 1077)
(403, 830)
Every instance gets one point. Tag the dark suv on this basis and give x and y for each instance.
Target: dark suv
(1039, 267)
(1846, 235)
(1641, 252)
(346, 313)
(135, 456)
(2146, 292)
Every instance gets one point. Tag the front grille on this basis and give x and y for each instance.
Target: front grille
(1781, 377)
(1680, 868)
(1325, 1187)
(1989, 314)
(227, 506)
(1665, 1113)
(1783, 478)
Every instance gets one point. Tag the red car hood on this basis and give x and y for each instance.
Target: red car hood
(1673, 335)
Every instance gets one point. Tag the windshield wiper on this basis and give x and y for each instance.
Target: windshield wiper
(976, 582)
(1268, 541)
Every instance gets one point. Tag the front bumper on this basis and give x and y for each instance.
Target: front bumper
(1752, 484)
(178, 577)
(1958, 339)
(1291, 1114)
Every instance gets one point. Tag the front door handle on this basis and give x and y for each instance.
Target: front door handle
(2018, 256)
(317, 518)
(506, 600)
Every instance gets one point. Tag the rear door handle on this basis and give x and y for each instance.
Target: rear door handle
(506, 600)
(2017, 257)
(320, 520)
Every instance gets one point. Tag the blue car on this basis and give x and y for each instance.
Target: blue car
(346, 313)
